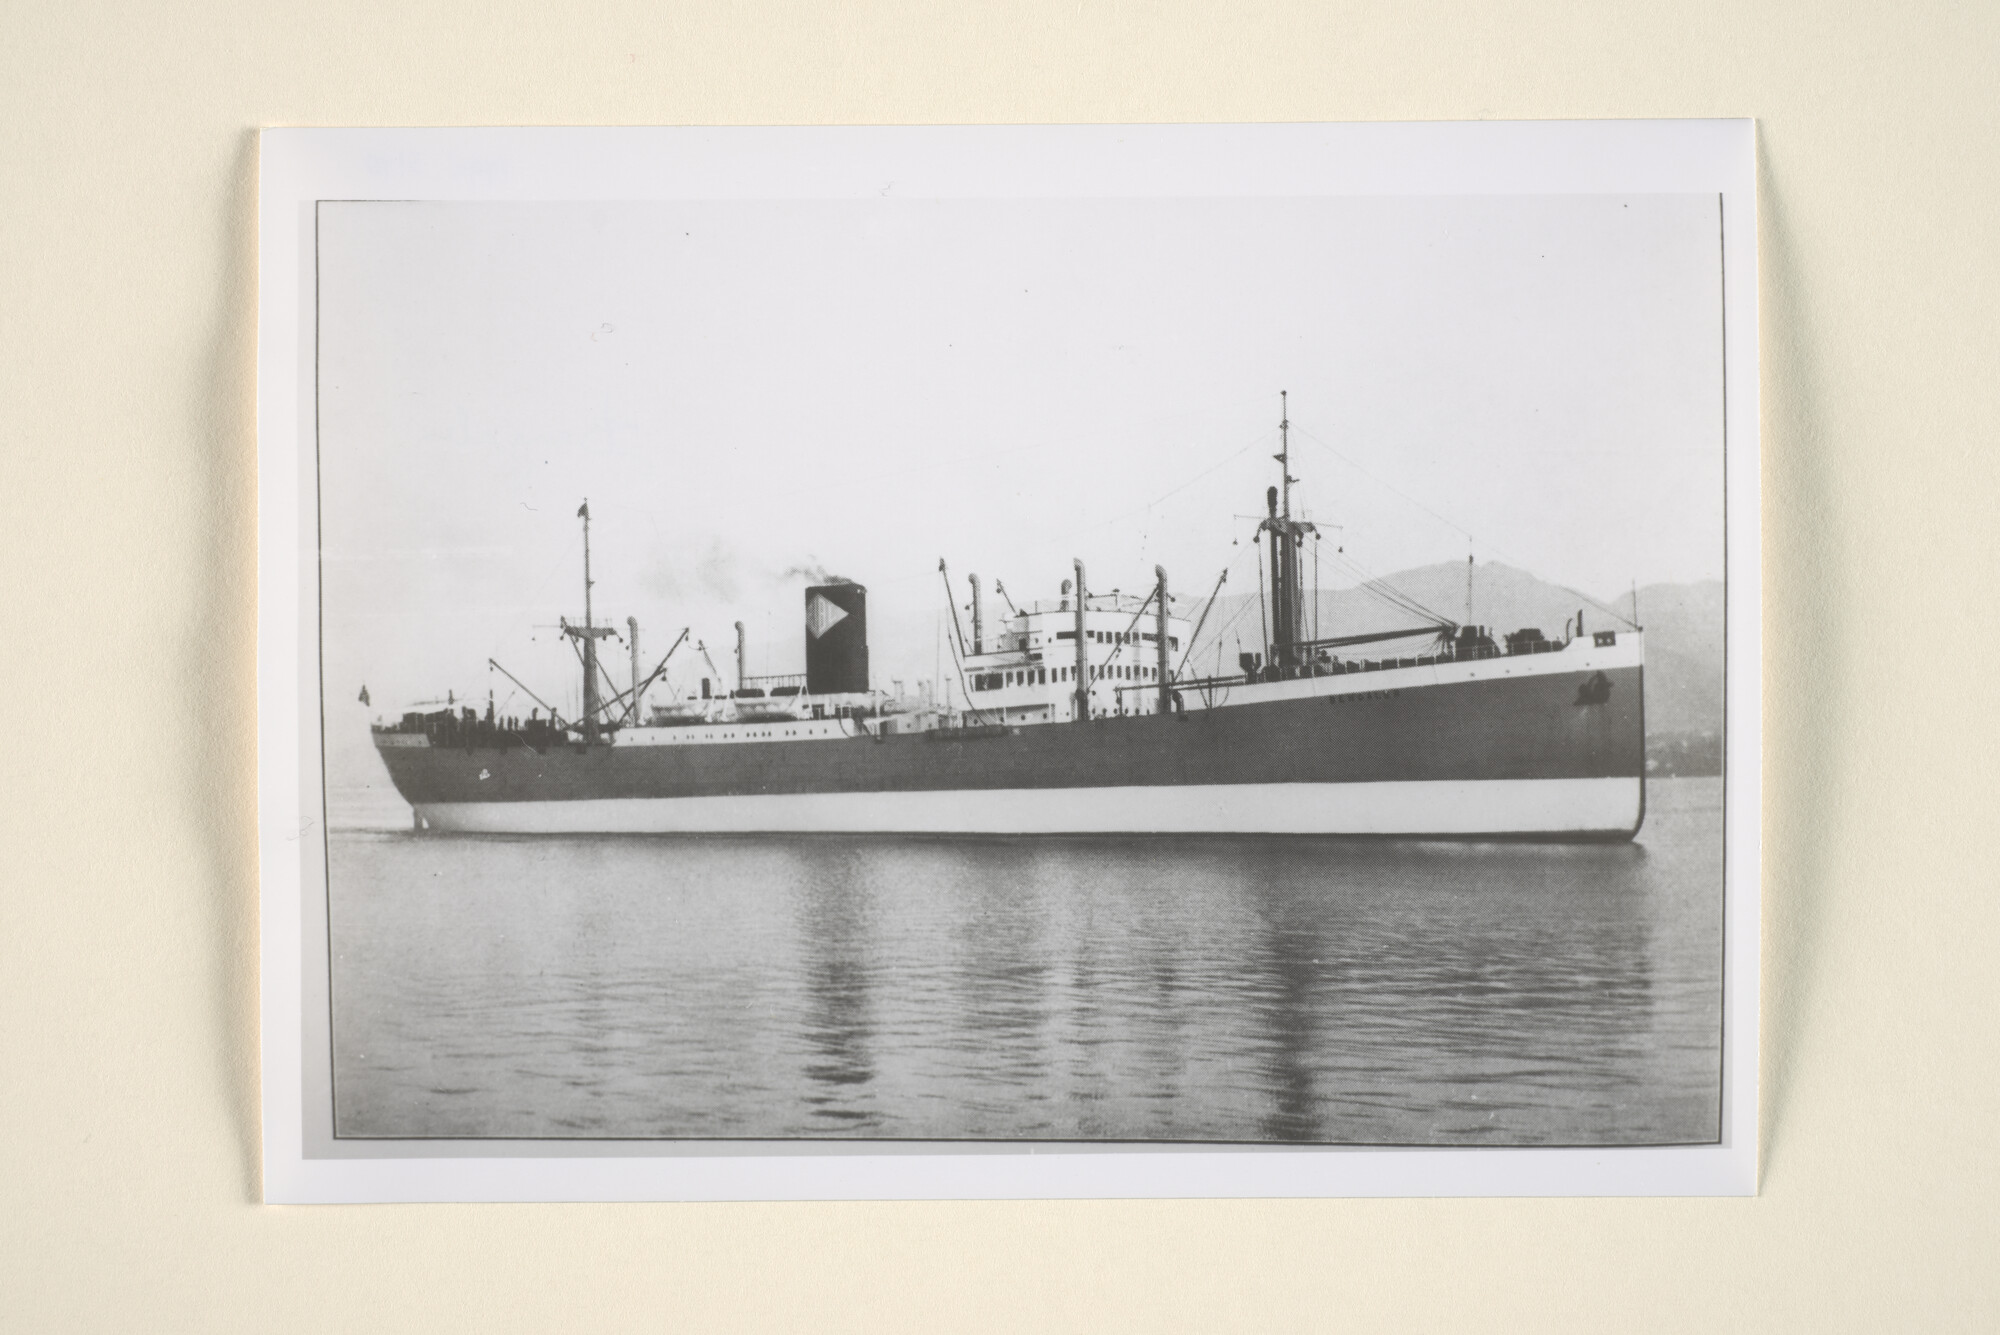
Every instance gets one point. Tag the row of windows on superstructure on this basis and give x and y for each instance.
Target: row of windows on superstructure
(1122, 637)
(995, 681)
(743, 734)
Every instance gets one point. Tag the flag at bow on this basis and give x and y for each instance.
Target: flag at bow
(583, 511)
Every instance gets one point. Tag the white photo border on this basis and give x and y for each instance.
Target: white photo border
(300, 167)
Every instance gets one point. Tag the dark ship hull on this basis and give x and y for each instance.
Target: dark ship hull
(1549, 745)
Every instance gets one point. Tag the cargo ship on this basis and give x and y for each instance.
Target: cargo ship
(1081, 713)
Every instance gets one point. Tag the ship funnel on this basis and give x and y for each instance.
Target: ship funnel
(742, 658)
(836, 639)
(978, 618)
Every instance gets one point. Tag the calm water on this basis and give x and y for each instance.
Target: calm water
(1073, 989)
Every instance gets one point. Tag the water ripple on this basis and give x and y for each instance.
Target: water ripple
(1179, 989)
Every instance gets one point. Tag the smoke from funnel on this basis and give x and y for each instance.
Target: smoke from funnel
(813, 573)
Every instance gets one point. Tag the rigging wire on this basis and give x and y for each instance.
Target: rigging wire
(957, 630)
(1207, 604)
(964, 687)
(1259, 439)
(1369, 582)
(1214, 597)
(1387, 592)
(1454, 526)
(1230, 625)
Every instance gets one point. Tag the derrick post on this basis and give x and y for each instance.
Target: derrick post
(590, 697)
(1082, 650)
(632, 624)
(1276, 647)
(1160, 618)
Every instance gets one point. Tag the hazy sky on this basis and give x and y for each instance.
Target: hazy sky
(746, 389)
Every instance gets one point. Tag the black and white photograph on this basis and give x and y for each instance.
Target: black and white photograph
(1087, 669)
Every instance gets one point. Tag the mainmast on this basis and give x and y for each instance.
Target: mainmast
(1287, 534)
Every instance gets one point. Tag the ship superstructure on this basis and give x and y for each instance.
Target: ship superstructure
(1080, 712)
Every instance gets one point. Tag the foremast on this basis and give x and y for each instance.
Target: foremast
(587, 635)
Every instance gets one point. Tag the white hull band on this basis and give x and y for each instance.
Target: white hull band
(1451, 808)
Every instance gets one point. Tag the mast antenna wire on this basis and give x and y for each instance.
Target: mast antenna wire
(1168, 495)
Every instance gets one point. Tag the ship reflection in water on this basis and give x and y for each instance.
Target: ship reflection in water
(1068, 989)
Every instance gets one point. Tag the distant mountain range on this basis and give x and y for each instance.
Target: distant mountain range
(1683, 625)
